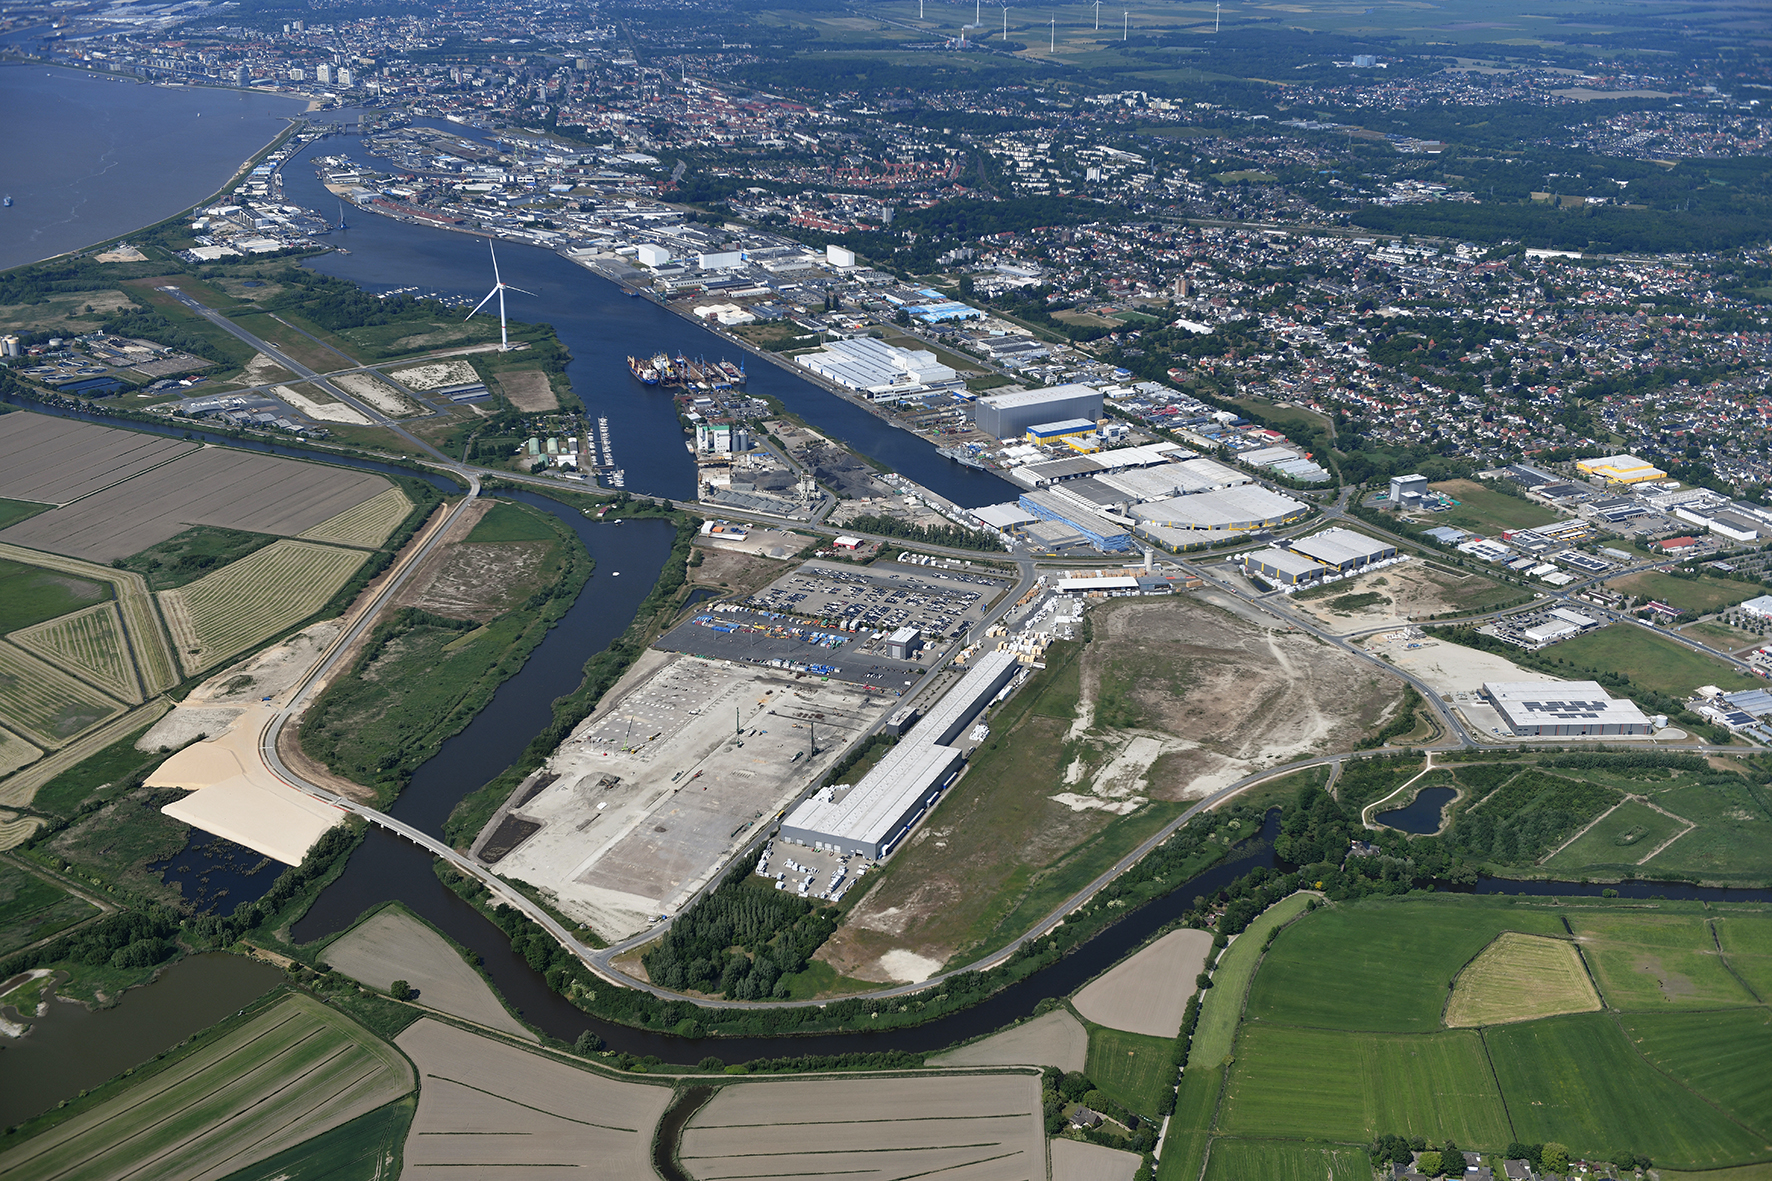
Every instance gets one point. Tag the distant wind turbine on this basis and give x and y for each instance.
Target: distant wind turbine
(1098, 16)
(499, 287)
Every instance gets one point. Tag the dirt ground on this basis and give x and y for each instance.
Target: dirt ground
(1148, 993)
(1056, 1039)
(477, 581)
(529, 389)
(491, 1110)
(1074, 1160)
(395, 946)
(960, 1127)
(1411, 590)
(730, 569)
(1176, 698)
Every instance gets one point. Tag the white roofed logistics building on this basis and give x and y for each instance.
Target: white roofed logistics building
(875, 367)
(873, 816)
(1226, 510)
(1344, 549)
(1008, 416)
(1564, 709)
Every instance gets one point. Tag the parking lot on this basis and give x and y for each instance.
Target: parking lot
(792, 645)
(883, 597)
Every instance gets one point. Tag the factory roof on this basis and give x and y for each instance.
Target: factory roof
(1228, 508)
(1051, 393)
(1340, 546)
(1285, 562)
(1546, 703)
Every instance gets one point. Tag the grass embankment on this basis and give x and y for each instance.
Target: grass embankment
(14, 511)
(1221, 1006)
(422, 676)
(32, 908)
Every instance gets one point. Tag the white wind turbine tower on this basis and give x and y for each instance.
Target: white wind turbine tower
(1098, 16)
(1217, 10)
(499, 287)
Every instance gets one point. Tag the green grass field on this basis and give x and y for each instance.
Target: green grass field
(1369, 944)
(1653, 961)
(190, 555)
(1720, 637)
(1700, 596)
(14, 511)
(90, 644)
(33, 909)
(1733, 840)
(1273, 1160)
(1221, 1006)
(1327, 1084)
(1578, 1080)
(63, 795)
(511, 522)
(296, 1070)
(1135, 1070)
(1190, 1127)
(1652, 661)
(1484, 510)
(369, 1148)
(45, 704)
(1746, 938)
(1618, 842)
(29, 594)
(1721, 1055)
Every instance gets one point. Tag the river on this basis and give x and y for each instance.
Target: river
(91, 157)
(601, 326)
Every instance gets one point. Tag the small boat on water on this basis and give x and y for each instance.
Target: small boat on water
(7, 202)
(645, 372)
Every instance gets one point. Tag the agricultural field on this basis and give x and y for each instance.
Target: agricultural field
(1135, 1070)
(34, 450)
(15, 752)
(192, 554)
(1222, 1005)
(1274, 1160)
(46, 705)
(367, 525)
(1481, 509)
(30, 594)
(216, 486)
(1052, 1039)
(1652, 661)
(1148, 992)
(146, 637)
(1591, 1090)
(392, 945)
(110, 766)
(1656, 961)
(1700, 596)
(1747, 941)
(367, 1148)
(1366, 942)
(1622, 839)
(1722, 1056)
(90, 645)
(1326, 1084)
(296, 1070)
(14, 511)
(485, 1106)
(250, 601)
(967, 1128)
(32, 908)
(1521, 978)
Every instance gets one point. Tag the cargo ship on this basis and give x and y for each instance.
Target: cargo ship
(962, 456)
(645, 372)
(733, 373)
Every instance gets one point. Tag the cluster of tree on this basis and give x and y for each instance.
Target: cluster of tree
(1400, 724)
(1528, 816)
(146, 324)
(1059, 1088)
(952, 536)
(853, 759)
(740, 940)
(1401, 1150)
(1646, 760)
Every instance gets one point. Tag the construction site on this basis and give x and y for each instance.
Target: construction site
(653, 793)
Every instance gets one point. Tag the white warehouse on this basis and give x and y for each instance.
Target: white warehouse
(873, 816)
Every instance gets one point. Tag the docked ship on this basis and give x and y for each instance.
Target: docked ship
(645, 372)
(962, 456)
(734, 373)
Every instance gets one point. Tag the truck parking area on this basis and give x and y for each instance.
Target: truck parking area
(883, 597)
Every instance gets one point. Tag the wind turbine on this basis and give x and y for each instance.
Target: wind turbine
(1098, 16)
(1054, 48)
(1005, 22)
(1216, 12)
(499, 286)
(1125, 25)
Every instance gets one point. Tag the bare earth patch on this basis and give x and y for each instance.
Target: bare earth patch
(392, 945)
(1409, 590)
(436, 375)
(493, 1111)
(331, 410)
(1055, 1039)
(1075, 1160)
(1148, 993)
(529, 389)
(377, 393)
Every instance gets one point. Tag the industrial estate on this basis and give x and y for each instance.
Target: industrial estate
(884, 590)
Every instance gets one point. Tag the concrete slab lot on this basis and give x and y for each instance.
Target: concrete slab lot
(392, 945)
(492, 1111)
(1054, 1039)
(211, 486)
(957, 1127)
(756, 638)
(654, 791)
(1148, 993)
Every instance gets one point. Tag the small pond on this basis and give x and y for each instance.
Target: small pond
(1423, 813)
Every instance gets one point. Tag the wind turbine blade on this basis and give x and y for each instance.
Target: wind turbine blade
(520, 291)
(489, 246)
(481, 304)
